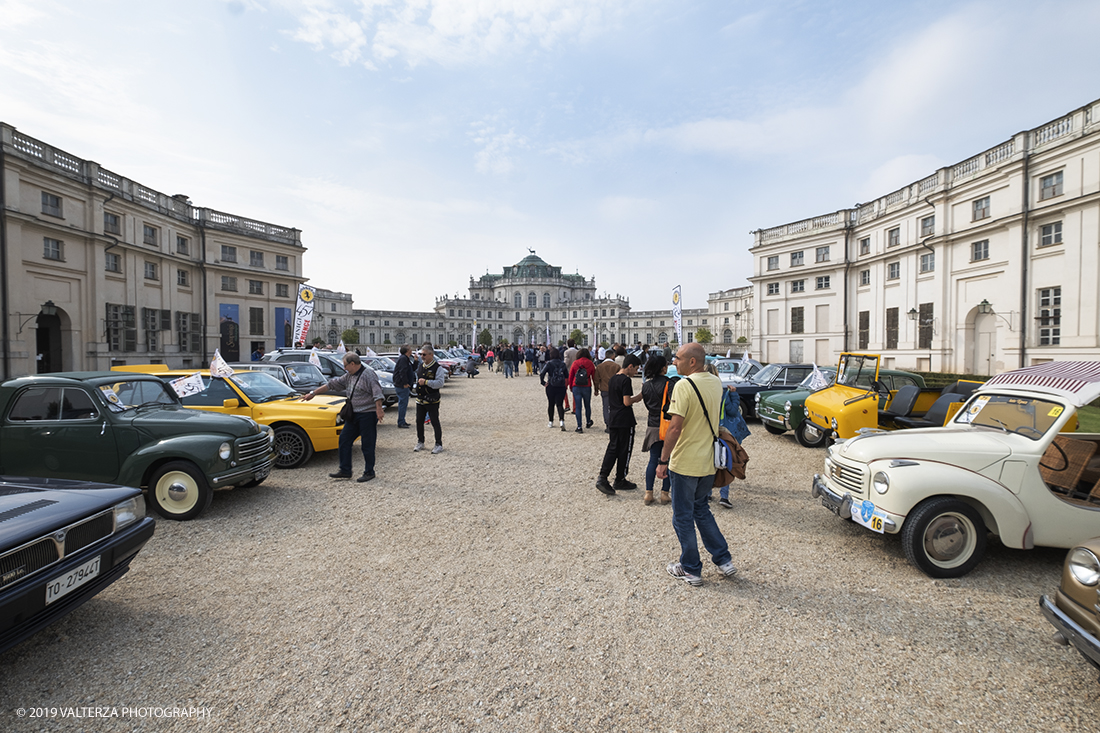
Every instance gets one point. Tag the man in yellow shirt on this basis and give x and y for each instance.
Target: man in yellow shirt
(688, 460)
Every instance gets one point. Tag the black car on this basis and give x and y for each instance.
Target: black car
(61, 542)
(772, 378)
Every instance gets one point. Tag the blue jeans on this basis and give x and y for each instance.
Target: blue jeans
(402, 404)
(507, 369)
(651, 469)
(362, 425)
(690, 509)
(582, 394)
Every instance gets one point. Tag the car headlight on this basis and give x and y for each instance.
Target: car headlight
(1084, 566)
(384, 383)
(833, 423)
(787, 405)
(224, 451)
(757, 398)
(129, 511)
(881, 482)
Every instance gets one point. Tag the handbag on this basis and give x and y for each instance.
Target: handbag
(346, 412)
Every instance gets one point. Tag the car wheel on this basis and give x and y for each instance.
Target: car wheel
(809, 435)
(179, 491)
(292, 446)
(774, 430)
(944, 537)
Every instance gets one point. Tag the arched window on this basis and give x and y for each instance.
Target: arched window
(532, 300)
(333, 337)
(546, 300)
(399, 337)
(727, 336)
(518, 300)
(662, 338)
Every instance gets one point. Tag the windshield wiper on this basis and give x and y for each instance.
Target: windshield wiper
(1003, 426)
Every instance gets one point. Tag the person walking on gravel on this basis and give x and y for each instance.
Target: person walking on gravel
(654, 391)
(365, 394)
(620, 428)
(688, 460)
(429, 380)
(554, 377)
(580, 382)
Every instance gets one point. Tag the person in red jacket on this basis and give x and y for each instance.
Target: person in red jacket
(581, 374)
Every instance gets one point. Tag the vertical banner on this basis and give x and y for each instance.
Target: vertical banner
(677, 312)
(284, 324)
(547, 334)
(230, 326)
(473, 336)
(303, 314)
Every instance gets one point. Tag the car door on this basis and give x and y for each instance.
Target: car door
(58, 432)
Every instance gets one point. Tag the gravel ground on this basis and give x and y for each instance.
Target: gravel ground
(492, 588)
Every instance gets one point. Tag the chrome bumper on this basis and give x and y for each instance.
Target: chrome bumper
(1072, 632)
(254, 472)
(842, 505)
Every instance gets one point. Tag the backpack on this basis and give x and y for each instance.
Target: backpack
(557, 375)
(582, 378)
(665, 402)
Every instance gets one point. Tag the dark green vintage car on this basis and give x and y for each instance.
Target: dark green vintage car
(129, 429)
(783, 411)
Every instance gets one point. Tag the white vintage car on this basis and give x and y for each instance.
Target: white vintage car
(1005, 464)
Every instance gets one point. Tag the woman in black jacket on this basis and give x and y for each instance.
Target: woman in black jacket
(654, 397)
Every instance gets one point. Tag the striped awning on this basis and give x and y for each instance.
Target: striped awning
(1077, 381)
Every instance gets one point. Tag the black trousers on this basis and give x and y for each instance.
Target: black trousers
(620, 443)
(431, 411)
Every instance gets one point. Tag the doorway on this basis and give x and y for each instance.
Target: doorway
(48, 344)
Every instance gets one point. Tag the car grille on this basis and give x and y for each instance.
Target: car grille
(850, 478)
(253, 447)
(46, 551)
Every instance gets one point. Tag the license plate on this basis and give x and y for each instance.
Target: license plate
(870, 516)
(61, 586)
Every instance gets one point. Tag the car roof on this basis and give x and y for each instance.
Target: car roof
(61, 378)
(1078, 382)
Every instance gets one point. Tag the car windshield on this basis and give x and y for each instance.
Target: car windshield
(726, 367)
(304, 375)
(744, 368)
(260, 387)
(857, 370)
(383, 364)
(127, 395)
(1027, 416)
(766, 374)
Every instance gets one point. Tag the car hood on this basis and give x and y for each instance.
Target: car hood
(181, 421)
(32, 507)
(779, 399)
(969, 448)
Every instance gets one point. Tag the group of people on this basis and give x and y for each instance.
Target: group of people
(508, 357)
(364, 393)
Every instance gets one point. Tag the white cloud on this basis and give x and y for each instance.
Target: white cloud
(21, 12)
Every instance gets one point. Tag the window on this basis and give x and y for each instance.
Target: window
(822, 254)
(255, 259)
(725, 307)
(151, 271)
(928, 226)
(893, 237)
(864, 329)
(1050, 316)
(613, 313)
(798, 286)
(893, 271)
(183, 278)
(183, 245)
(822, 283)
(796, 260)
(112, 262)
(924, 325)
(332, 308)
(865, 246)
(928, 262)
(546, 300)
(798, 320)
(891, 328)
(51, 204)
(155, 321)
(149, 234)
(356, 322)
(1050, 234)
(773, 288)
(386, 323)
(517, 315)
(370, 323)
(981, 209)
(282, 290)
(864, 277)
(727, 336)
(979, 250)
(229, 254)
(517, 300)
(256, 321)
(773, 263)
(256, 287)
(112, 224)
(574, 314)
(586, 314)
(53, 249)
(603, 314)
(229, 283)
(451, 312)
(1050, 186)
(121, 327)
(282, 262)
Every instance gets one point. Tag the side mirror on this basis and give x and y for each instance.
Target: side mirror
(231, 404)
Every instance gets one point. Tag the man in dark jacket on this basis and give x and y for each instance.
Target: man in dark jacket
(404, 374)
(429, 380)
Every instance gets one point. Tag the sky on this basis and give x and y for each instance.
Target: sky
(417, 143)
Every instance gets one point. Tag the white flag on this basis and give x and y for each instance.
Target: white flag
(744, 356)
(219, 367)
(186, 386)
(370, 353)
(729, 353)
(818, 380)
(314, 359)
(341, 349)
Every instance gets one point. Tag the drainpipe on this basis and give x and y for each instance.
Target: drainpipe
(847, 267)
(1025, 256)
(202, 279)
(5, 329)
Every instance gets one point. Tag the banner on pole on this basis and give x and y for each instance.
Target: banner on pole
(677, 312)
(303, 314)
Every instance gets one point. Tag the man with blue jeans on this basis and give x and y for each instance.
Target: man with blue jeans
(688, 460)
(365, 395)
(403, 377)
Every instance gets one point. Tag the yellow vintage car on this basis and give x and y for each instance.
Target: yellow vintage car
(300, 427)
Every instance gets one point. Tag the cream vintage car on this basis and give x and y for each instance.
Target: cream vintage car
(1003, 464)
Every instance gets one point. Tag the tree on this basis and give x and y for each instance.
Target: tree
(485, 337)
(318, 341)
(350, 336)
(742, 340)
(577, 336)
(703, 335)
(451, 343)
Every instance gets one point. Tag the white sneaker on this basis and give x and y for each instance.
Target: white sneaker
(418, 447)
(728, 569)
(676, 570)
(550, 424)
(437, 449)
